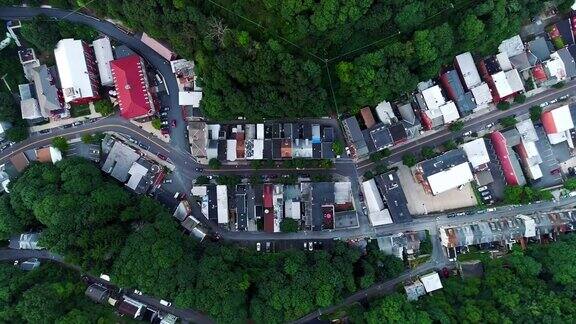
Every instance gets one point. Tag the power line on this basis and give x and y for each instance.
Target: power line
(332, 89)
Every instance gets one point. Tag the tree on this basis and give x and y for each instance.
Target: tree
(409, 160)
(559, 85)
(379, 155)
(202, 180)
(104, 107)
(60, 143)
(288, 225)
(214, 164)
(450, 145)
(41, 32)
(570, 184)
(535, 113)
(508, 121)
(156, 123)
(456, 126)
(521, 98)
(503, 105)
(338, 147)
(87, 138)
(428, 152)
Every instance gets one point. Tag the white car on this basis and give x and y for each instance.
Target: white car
(137, 292)
(165, 303)
(544, 104)
(310, 246)
(482, 188)
(468, 133)
(490, 125)
(258, 247)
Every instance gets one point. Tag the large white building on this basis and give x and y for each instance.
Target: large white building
(377, 212)
(77, 71)
(103, 54)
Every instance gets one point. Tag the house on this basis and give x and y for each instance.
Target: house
(503, 143)
(511, 46)
(414, 290)
(241, 208)
(409, 119)
(477, 153)
(97, 293)
(444, 172)
(385, 113)
(119, 161)
(103, 54)
(322, 205)
(557, 124)
(354, 134)
(198, 140)
(131, 83)
(398, 132)
(449, 112)
(464, 100)
(565, 29)
(539, 48)
(49, 97)
(433, 97)
(367, 116)
(222, 199)
(381, 137)
(482, 95)
(520, 62)
(130, 307)
(378, 214)
(158, 47)
(568, 60)
(48, 154)
(431, 282)
(396, 201)
(268, 208)
(189, 98)
(19, 161)
(29, 105)
(527, 149)
(504, 62)
(505, 84)
(465, 65)
(77, 71)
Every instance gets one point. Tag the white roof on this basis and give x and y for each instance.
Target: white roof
(260, 131)
(511, 46)
(557, 137)
(433, 97)
(136, 172)
(476, 152)
(30, 109)
(449, 112)
(342, 192)
(377, 214)
(468, 70)
(258, 149)
(222, 198)
(292, 209)
(534, 172)
(103, 54)
(385, 112)
(189, 98)
(529, 225)
(501, 83)
(72, 69)
(504, 61)
(373, 199)
(482, 95)
(514, 80)
(562, 118)
(527, 130)
(555, 67)
(431, 282)
(198, 191)
(231, 150)
(55, 154)
(450, 178)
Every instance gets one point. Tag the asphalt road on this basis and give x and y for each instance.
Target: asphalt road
(185, 314)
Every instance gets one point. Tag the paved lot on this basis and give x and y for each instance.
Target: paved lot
(496, 187)
(419, 202)
(88, 151)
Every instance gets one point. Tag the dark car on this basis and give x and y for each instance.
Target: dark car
(144, 146)
(174, 123)
(45, 131)
(66, 126)
(161, 157)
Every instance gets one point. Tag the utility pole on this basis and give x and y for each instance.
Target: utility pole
(6, 82)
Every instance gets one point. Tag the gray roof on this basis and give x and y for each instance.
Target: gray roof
(119, 161)
(97, 293)
(46, 91)
(381, 137)
(539, 48)
(327, 152)
(322, 194)
(520, 61)
(30, 109)
(569, 63)
(407, 113)
(396, 200)
(351, 124)
(444, 161)
(512, 137)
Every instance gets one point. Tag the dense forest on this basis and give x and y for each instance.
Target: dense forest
(278, 58)
(533, 286)
(49, 294)
(95, 223)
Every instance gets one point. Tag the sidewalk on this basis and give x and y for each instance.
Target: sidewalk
(147, 127)
(66, 121)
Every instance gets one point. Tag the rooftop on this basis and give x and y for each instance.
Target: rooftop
(132, 87)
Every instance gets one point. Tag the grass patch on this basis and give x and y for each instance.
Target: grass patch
(473, 255)
(79, 110)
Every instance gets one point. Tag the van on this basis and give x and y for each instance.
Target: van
(572, 194)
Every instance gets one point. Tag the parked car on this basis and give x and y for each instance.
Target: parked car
(555, 171)
(144, 146)
(258, 246)
(66, 126)
(45, 131)
(482, 188)
(165, 303)
(564, 97)
(161, 157)
(137, 292)
(310, 246)
(168, 181)
(164, 114)
(199, 170)
(544, 104)
(174, 123)
(484, 193)
(490, 125)
(553, 101)
(487, 198)
(468, 133)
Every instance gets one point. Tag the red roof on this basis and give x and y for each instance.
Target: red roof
(548, 122)
(131, 86)
(503, 153)
(268, 191)
(538, 72)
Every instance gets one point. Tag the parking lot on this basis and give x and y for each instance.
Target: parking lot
(280, 245)
(421, 203)
(549, 165)
(88, 151)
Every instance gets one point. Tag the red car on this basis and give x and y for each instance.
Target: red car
(161, 157)
(173, 122)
